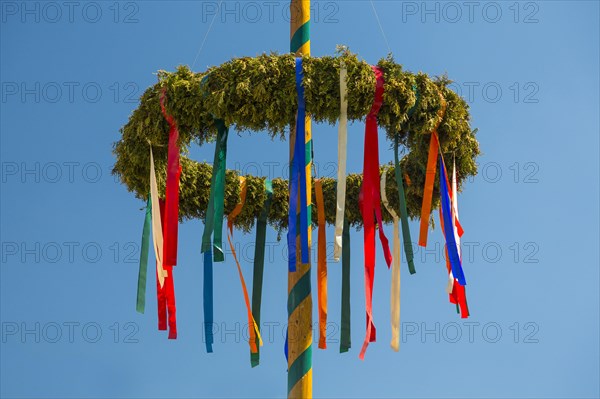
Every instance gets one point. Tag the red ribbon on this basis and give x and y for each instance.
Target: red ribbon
(171, 218)
(370, 206)
(166, 295)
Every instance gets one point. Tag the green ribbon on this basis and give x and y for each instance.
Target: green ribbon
(345, 324)
(403, 213)
(216, 202)
(259, 264)
(141, 288)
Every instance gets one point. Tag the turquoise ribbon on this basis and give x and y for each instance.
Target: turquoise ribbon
(259, 264)
(408, 249)
(345, 343)
(140, 305)
(216, 202)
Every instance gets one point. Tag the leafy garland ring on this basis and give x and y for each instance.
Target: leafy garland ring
(259, 94)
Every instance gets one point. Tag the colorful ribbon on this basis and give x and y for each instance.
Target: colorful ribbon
(430, 174)
(321, 266)
(448, 218)
(395, 287)
(345, 342)
(428, 189)
(369, 201)
(141, 287)
(298, 181)
(208, 300)
(252, 326)
(259, 264)
(408, 249)
(166, 293)
(157, 228)
(458, 291)
(214, 212)
(342, 155)
(171, 218)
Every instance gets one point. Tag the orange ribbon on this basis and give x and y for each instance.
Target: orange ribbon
(321, 266)
(252, 326)
(430, 175)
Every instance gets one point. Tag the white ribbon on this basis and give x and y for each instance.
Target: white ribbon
(157, 235)
(395, 288)
(341, 175)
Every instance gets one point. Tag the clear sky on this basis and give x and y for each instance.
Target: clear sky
(71, 74)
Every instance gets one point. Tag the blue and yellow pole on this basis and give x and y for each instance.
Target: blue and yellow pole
(299, 290)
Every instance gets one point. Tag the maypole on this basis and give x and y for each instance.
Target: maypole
(299, 291)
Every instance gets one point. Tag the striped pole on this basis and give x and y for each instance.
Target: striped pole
(299, 292)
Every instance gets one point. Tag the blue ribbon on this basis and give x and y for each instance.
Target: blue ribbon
(451, 245)
(298, 181)
(208, 300)
(285, 346)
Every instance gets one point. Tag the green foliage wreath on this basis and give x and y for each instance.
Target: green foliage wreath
(259, 94)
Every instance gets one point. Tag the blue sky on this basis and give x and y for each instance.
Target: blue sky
(71, 75)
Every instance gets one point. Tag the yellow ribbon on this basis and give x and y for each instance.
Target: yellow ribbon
(395, 288)
(157, 235)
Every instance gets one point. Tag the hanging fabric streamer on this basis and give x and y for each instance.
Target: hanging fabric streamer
(166, 293)
(453, 255)
(298, 181)
(345, 343)
(171, 218)
(219, 204)
(395, 287)
(428, 189)
(370, 206)
(208, 300)
(169, 288)
(430, 175)
(408, 249)
(140, 305)
(321, 266)
(259, 264)
(209, 224)
(458, 291)
(342, 155)
(214, 213)
(161, 301)
(157, 236)
(252, 326)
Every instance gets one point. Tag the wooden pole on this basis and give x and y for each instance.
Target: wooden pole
(299, 290)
